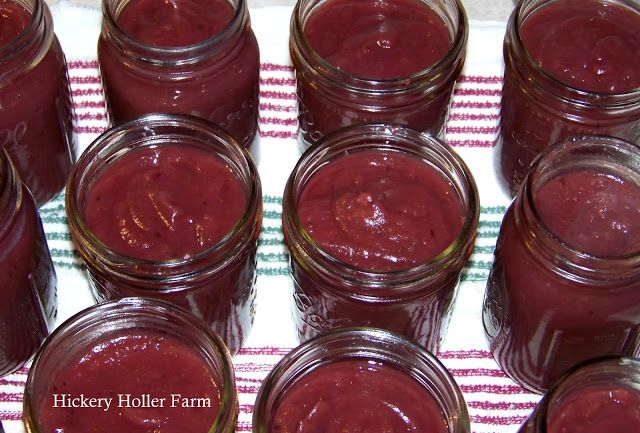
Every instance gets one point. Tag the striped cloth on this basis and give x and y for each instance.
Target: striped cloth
(496, 404)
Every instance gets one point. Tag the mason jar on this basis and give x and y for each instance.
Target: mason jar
(28, 301)
(599, 395)
(357, 377)
(159, 64)
(170, 207)
(564, 285)
(385, 235)
(331, 97)
(540, 106)
(130, 364)
(36, 114)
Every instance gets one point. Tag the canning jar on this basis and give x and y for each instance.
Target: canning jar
(355, 378)
(28, 302)
(36, 115)
(379, 221)
(571, 69)
(188, 56)
(597, 396)
(129, 365)
(565, 282)
(376, 62)
(170, 206)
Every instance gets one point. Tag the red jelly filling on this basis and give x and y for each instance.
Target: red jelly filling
(379, 40)
(176, 23)
(216, 79)
(597, 409)
(35, 113)
(380, 211)
(358, 395)
(144, 381)
(586, 44)
(591, 48)
(542, 322)
(165, 202)
(592, 211)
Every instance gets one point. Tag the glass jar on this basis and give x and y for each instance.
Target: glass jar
(36, 111)
(539, 109)
(600, 395)
(416, 300)
(215, 78)
(377, 349)
(141, 354)
(557, 297)
(330, 98)
(215, 282)
(28, 302)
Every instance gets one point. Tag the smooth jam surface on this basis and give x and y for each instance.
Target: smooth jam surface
(354, 396)
(378, 39)
(380, 210)
(14, 19)
(596, 410)
(138, 363)
(174, 23)
(588, 44)
(165, 202)
(592, 211)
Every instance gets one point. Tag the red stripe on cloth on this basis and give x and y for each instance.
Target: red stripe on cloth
(465, 354)
(10, 415)
(277, 107)
(11, 397)
(278, 82)
(275, 67)
(86, 92)
(489, 130)
(472, 372)
(85, 80)
(471, 143)
(473, 104)
(462, 91)
(92, 116)
(251, 367)
(278, 121)
(246, 408)
(82, 64)
(244, 426)
(89, 104)
(13, 382)
(471, 117)
(90, 129)
(278, 134)
(480, 79)
(502, 405)
(272, 94)
(269, 350)
(498, 420)
(494, 389)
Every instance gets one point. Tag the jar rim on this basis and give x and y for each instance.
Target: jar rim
(137, 309)
(177, 55)
(601, 365)
(553, 244)
(114, 140)
(362, 343)
(390, 85)
(398, 138)
(576, 94)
